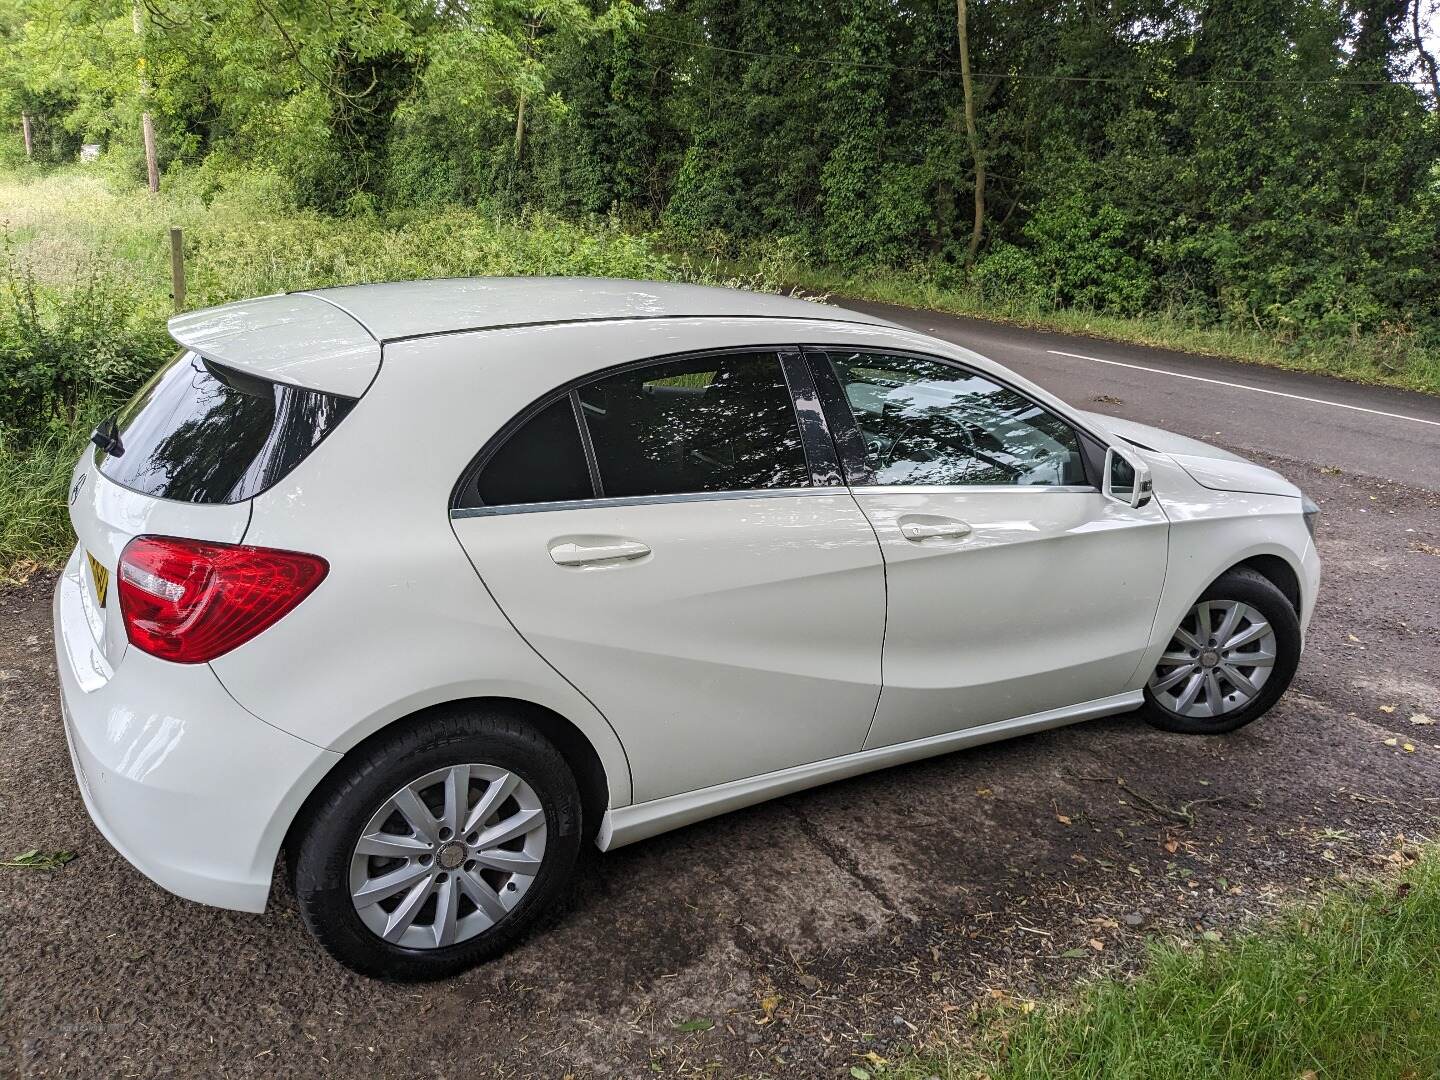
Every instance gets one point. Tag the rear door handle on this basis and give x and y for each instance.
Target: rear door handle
(934, 529)
(584, 550)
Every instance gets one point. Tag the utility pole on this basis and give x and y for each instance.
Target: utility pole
(25, 127)
(147, 127)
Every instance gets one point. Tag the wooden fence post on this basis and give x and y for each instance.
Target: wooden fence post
(177, 268)
(25, 127)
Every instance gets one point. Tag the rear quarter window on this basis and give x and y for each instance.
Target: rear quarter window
(200, 432)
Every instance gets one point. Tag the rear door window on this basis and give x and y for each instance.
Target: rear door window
(721, 422)
(199, 432)
(711, 423)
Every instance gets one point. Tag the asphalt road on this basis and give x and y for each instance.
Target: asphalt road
(1374, 431)
(795, 938)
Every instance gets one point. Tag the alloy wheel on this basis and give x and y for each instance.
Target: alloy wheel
(1220, 656)
(448, 856)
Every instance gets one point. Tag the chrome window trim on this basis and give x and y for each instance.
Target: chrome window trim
(967, 489)
(643, 500)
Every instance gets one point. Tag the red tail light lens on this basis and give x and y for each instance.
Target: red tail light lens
(190, 600)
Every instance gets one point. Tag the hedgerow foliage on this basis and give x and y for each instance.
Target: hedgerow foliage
(1268, 164)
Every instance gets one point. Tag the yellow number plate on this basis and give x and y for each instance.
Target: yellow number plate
(101, 577)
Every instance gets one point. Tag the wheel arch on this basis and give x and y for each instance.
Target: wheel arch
(1191, 572)
(574, 745)
(1274, 569)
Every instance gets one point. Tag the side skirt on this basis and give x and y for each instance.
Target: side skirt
(627, 824)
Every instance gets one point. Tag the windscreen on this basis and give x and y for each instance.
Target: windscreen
(201, 433)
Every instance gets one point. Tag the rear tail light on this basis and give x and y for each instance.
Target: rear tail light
(191, 600)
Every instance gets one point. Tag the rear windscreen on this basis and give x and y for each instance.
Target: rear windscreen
(201, 433)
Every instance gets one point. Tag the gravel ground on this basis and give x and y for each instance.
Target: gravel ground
(786, 940)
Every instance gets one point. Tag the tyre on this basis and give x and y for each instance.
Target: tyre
(1229, 660)
(437, 847)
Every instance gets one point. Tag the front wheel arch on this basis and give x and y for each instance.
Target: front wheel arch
(1275, 570)
(1246, 584)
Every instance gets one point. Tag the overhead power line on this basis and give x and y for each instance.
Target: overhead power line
(1114, 80)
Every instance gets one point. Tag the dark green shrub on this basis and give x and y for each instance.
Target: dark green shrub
(62, 348)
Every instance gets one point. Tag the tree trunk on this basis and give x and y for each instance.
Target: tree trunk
(972, 136)
(520, 126)
(147, 127)
(25, 128)
(1427, 58)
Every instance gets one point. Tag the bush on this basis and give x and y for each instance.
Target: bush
(62, 347)
(1009, 276)
(1079, 248)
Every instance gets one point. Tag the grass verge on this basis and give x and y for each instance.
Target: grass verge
(1393, 359)
(1346, 988)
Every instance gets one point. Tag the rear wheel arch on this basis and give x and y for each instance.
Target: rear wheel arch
(572, 743)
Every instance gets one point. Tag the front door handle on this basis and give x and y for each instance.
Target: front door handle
(934, 529)
(585, 550)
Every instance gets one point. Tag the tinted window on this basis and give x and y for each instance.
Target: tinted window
(924, 422)
(715, 423)
(542, 462)
(198, 432)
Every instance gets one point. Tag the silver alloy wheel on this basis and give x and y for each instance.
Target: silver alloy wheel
(448, 856)
(1220, 656)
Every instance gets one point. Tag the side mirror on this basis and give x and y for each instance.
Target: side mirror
(1127, 478)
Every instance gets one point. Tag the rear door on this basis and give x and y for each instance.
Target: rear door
(1015, 586)
(681, 549)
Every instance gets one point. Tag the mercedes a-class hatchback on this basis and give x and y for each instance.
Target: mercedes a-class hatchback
(428, 584)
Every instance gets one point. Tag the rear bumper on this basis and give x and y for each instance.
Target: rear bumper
(194, 791)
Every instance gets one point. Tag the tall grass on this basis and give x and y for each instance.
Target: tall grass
(1347, 989)
(34, 479)
(243, 239)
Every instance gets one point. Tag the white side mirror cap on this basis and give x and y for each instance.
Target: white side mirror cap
(1127, 477)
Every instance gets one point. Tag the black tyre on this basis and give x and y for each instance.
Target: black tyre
(437, 847)
(1230, 659)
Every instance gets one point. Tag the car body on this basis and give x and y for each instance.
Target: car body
(792, 602)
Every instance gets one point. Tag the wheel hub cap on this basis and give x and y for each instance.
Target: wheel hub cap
(448, 856)
(451, 856)
(1220, 656)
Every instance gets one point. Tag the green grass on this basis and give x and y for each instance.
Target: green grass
(1348, 989)
(242, 240)
(1380, 360)
(34, 480)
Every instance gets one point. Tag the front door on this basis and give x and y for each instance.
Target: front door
(1014, 586)
(660, 537)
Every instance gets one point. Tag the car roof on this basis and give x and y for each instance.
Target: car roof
(330, 339)
(402, 309)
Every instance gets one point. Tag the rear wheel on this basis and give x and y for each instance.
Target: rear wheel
(1229, 660)
(437, 847)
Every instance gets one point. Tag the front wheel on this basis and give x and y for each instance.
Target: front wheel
(1229, 660)
(437, 847)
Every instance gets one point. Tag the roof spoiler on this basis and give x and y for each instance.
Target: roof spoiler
(294, 338)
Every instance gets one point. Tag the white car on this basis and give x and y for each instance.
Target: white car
(429, 583)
